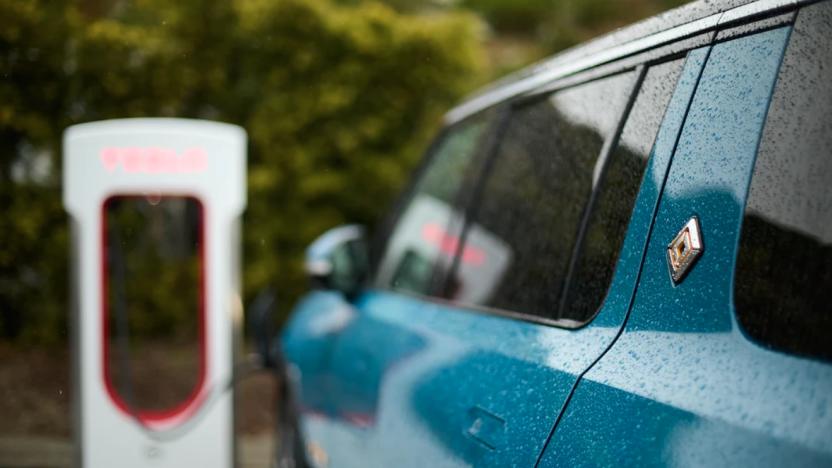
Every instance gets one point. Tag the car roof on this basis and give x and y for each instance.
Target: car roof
(688, 20)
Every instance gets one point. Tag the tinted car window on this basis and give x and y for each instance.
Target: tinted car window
(610, 217)
(424, 232)
(784, 268)
(523, 230)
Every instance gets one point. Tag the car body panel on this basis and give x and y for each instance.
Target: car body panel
(683, 385)
(391, 379)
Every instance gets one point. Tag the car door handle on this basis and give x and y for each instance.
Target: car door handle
(485, 428)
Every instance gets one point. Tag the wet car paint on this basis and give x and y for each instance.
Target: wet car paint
(684, 385)
(396, 380)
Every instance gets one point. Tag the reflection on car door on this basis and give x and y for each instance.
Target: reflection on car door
(471, 338)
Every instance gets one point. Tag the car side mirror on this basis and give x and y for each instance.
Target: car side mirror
(338, 260)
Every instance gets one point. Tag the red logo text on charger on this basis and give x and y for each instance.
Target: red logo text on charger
(154, 160)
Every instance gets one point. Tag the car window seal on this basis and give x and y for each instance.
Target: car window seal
(598, 174)
(469, 209)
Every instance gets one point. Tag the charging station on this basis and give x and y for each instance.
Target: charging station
(155, 206)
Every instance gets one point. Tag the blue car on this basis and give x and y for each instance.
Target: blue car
(620, 256)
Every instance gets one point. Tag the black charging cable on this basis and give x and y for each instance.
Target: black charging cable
(290, 450)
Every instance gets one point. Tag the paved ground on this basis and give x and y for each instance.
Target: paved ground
(41, 452)
(35, 414)
(35, 452)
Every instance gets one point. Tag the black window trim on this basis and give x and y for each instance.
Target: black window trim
(463, 199)
(381, 234)
(598, 174)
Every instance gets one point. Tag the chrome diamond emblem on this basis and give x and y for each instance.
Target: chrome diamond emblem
(684, 250)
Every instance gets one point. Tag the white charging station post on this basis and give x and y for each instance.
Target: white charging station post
(185, 168)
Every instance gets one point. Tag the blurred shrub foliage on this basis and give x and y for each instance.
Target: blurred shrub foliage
(558, 24)
(338, 100)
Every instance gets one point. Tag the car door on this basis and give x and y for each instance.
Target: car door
(730, 365)
(500, 282)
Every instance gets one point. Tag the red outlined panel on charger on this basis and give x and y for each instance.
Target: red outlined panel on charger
(153, 305)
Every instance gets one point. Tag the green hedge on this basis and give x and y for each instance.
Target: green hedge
(338, 100)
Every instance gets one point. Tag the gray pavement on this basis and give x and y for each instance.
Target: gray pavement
(39, 452)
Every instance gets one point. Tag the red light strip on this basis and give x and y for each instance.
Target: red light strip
(434, 234)
(153, 160)
(157, 419)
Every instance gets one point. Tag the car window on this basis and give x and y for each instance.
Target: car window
(424, 232)
(784, 265)
(610, 217)
(523, 230)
